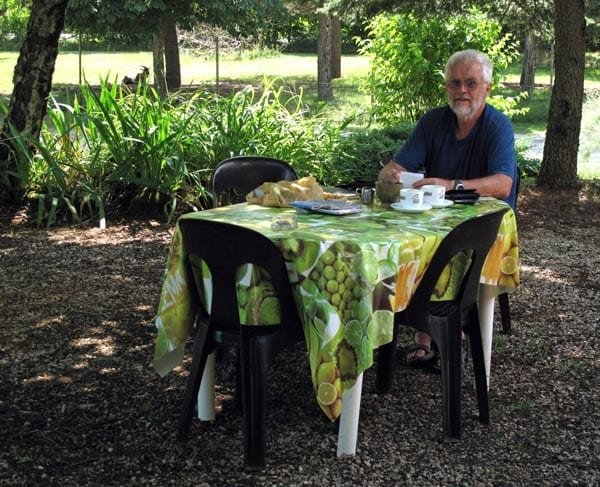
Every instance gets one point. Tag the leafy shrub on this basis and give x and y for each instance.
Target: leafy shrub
(408, 59)
(529, 167)
(360, 153)
(112, 148)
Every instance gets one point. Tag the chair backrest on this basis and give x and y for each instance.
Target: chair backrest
(237, 176)
(473, 237)
(224, 248)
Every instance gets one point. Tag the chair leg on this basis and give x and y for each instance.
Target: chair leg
(239, 406)
(202, 348)
(254, 363)
(505, 313)
(449, 347)
(481, 385)
(386, 356)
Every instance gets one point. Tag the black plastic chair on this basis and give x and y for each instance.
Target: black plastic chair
(224, 248)
(444, 320)
(232, 180)
(235, 177)
(503, 301)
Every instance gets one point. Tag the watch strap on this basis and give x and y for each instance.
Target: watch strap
(458, 184)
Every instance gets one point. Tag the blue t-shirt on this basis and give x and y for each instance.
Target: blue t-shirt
(488, 149)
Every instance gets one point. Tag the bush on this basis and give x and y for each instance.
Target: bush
(408, 63)
(360, 153)
(111, 148)
(529, 167)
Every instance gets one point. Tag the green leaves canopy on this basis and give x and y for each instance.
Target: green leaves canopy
(135, 19)
(409, 54)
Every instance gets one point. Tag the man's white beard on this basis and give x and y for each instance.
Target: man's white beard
(464, 112)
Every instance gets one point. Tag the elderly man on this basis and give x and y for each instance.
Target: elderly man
(466, 144)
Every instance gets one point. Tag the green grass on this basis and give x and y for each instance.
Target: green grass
(194, 70)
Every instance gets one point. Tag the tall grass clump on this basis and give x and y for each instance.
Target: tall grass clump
(269, 121)
(112, 148)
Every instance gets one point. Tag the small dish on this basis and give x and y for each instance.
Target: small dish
(414, 209)
(442, 204)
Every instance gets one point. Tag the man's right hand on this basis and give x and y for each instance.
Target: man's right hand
(391, 172)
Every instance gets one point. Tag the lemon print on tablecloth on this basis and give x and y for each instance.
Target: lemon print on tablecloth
(509, 265)
(326, 372)
(329, 389)
(368, 262)
(326, 394)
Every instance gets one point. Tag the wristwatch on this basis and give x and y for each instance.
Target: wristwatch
(458, 184)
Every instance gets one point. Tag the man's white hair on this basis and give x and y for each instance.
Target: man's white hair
(469, 56)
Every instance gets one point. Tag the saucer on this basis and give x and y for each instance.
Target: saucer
(414, 209)
(442, 204)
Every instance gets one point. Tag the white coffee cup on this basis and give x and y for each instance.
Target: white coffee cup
(433, 194)
(408, 178)
(411, 198)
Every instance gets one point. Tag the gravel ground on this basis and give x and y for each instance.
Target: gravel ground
(80, 404)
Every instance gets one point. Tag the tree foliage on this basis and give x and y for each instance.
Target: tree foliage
(136, 20)
(409, 54)
(13, 20)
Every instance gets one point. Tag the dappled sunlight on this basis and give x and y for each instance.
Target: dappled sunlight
(47, 378)
(60, 319)
(543, 273)
(104, 347)
(81, 365)
(94, 237)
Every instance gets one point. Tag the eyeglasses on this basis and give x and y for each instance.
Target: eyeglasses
(470, 84)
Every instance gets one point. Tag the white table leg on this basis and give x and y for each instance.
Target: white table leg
(348, 427)
(206, 393)
(487, 298)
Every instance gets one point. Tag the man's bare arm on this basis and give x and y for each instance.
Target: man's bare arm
(496, 185)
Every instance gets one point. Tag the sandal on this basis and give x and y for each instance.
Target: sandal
(411, 359)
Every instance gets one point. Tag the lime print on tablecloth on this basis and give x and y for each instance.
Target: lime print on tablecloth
(349, 275)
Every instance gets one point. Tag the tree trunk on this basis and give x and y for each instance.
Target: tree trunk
(529, 63)
(158, 64)
(336, 47)
(559, 165)
(32, 78)
(325, 89)
(168, 32)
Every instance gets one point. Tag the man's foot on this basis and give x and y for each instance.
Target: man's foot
(418, 355)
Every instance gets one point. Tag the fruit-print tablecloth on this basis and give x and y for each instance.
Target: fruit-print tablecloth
(350, 274)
